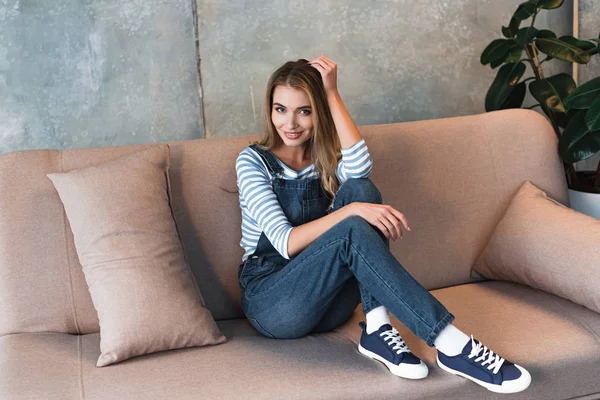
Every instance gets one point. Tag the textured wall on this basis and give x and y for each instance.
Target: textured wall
(90, 73)
(93, 73)
(589, 28)
(397, 60)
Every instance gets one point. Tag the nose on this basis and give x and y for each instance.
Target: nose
(290, 123)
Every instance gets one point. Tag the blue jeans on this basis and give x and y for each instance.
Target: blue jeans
(319, 288)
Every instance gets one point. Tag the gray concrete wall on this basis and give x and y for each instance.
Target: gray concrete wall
(92, 73)
(397, 60)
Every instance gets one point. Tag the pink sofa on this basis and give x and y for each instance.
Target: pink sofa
(452, 177)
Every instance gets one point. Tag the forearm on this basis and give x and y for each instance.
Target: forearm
(345, 126)
(303, 235)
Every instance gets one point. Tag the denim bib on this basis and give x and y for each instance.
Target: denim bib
(302, 201)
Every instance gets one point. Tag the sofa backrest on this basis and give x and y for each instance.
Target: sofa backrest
(453, 179)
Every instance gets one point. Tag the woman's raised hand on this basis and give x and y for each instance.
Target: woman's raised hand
(328, 70)
(383, 216)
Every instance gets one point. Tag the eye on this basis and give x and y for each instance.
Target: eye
(307, 111)
(278, 108)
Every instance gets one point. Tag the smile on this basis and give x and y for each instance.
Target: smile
(292, 135)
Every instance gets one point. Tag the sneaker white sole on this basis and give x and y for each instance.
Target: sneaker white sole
(409, 371)
(513, 386)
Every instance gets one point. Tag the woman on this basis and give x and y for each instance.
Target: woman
(315, 249)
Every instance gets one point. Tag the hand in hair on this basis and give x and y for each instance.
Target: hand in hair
(328, 70)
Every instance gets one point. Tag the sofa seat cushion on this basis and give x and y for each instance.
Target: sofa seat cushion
(555, 339)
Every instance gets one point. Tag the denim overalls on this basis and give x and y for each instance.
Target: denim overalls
(319, 288)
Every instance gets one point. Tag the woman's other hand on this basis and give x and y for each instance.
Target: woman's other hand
(383, 216)
(328, 70)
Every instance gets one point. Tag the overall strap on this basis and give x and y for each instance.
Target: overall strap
(274, 168)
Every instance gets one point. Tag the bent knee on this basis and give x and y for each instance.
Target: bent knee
(362, 190)
(356, 223)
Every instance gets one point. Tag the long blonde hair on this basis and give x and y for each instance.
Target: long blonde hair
(324, 145)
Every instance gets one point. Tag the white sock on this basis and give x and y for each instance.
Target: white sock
(377, 317)
(451, 341)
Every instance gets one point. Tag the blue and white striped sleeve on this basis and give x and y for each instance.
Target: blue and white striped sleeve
(261, 202)
(356, 162)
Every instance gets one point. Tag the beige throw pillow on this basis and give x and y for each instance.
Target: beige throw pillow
(543, 244)
(128, 244)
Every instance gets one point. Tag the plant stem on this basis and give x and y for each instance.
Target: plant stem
(538, 61)
(569, 172)
(537, 69)
(532, 63)
(539, 74)
(530, 59)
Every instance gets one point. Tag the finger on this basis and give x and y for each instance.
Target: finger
(400, 217)
(329, 60)
(383, 229)
(317, 64)
(325, 60)
(395, 223)
(323, 65)
(390, 227)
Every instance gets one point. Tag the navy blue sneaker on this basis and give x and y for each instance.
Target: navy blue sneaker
(386, 345)
(484, 367)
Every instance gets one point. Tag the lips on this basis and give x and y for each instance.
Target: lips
(292, 135)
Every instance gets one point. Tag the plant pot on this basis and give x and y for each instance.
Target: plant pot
(583, 195)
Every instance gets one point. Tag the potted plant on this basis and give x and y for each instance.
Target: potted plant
(574, 112)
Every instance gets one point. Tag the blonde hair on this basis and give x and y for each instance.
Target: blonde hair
(324, 145)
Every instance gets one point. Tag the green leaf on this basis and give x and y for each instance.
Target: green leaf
(592, 117)
(551, 91)
(580, 44)
(526, 35)
(562, 119)
(496, 50)
(584, 95)
(577, 142)
(545, 33)
(562, 50)
(515, 98)
(499, 61)
(504, 83)
(525, 10)
(511, 30)
(550, 4)
(514, 54)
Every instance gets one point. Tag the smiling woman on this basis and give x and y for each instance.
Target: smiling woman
(296, 103)
(292, 118)
(301, 139)
(316, 237)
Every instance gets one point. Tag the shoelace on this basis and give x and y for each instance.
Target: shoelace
(396, 340)
(494, 360)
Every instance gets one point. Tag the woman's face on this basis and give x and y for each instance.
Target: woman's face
(291, 114)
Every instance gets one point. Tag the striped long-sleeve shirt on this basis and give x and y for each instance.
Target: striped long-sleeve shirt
(261, 211)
